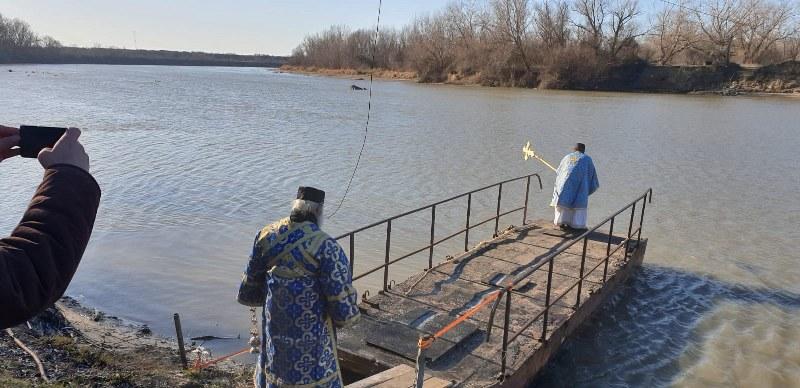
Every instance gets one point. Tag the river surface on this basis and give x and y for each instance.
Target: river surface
(193, 161)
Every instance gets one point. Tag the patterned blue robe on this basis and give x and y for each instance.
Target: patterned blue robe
(576, 179)
(302, 278)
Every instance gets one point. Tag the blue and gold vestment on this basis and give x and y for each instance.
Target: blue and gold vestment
(301, 276)
(576, 179)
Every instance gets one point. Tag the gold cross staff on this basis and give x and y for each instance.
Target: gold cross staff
(528, 152)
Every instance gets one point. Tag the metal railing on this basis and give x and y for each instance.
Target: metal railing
(433, 241)
(506, 291)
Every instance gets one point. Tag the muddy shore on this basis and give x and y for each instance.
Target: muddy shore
(354, 74)
(774, 80)
(82, 347)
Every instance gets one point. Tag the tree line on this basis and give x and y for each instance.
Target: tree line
(16, 35)
(20, 44)
(556, 43)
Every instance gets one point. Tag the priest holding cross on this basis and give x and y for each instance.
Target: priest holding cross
(576, 180)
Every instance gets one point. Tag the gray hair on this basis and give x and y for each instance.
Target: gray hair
(303, 207)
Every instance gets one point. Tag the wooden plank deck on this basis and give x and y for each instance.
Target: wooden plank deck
(451, 287)
(401, 376)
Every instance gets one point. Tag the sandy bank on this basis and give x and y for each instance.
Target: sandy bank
(354, 74)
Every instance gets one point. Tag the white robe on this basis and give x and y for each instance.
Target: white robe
(575, 218)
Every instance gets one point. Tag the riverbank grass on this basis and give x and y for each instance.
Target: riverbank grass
(78, 350)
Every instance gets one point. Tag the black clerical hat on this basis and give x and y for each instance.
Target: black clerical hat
(310, 194)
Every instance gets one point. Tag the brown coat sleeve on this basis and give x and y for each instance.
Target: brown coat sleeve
(39, 258)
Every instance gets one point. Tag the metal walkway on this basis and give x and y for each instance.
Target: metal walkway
(523, 291)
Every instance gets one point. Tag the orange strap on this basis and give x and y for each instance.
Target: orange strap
(423, 343)
(426, 342)
(202, 365)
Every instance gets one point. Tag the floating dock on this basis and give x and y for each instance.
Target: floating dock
(498, 311)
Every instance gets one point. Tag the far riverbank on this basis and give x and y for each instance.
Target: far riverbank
(780, 79)
(117, 56)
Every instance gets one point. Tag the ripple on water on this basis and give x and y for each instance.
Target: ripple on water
(194, 160)
(655, 333)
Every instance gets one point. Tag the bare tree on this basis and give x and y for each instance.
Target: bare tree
(465, 19)
(496, 40)
(467, 22)
(21, 34)
(15, 33)
(591, 21)
(512, 24)
(769, 23)
(623, 30)
(429, 44)
(326, 49)
(552, 23)
(5, 36)
(791, 48)
(389, 49)
(674, 31)
(721, 21)
(608, 26)
(49, 42)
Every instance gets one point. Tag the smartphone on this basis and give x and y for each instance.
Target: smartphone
(33, 139)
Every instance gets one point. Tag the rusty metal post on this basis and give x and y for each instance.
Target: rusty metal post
(179, 333)
(630, 229)
(547, 299)
(420, 367)
(386, 259)
(433, 233)
(525, 208)
(506, 328)
(608, 249)
(497, 215)
(466, 232)
(580, 276)
(641, 221)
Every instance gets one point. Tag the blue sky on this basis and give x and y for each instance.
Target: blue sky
(237, 26)
(240, 26)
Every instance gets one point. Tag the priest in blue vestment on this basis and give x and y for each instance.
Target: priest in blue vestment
(576, 180)
(301, 277)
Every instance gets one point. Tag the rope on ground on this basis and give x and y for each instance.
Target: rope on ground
(32, 354)
(198, 365)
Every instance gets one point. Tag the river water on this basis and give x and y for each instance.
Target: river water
(193, 161)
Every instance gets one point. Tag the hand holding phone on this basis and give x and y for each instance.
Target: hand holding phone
(33, 139)
(51, 145)
(67, 150)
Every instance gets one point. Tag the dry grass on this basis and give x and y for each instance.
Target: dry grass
(74, 358)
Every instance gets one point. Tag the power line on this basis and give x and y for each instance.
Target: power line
(369, 109)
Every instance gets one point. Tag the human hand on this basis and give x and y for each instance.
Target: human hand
(9, 137)
(67, 150)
